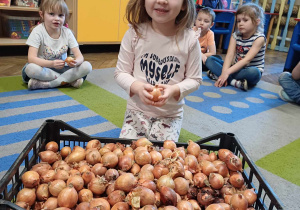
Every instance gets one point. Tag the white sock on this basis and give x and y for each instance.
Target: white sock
(235, 83)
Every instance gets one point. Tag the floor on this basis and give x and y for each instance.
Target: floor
(12, 59)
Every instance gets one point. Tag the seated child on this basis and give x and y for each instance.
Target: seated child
(204, 21)
(290, 83)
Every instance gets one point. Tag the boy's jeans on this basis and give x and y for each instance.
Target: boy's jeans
(290, 86)
(251, 74)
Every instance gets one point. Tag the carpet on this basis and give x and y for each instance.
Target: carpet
(267, 127)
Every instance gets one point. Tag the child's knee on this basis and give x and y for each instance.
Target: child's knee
(285, 76)
(86, 67)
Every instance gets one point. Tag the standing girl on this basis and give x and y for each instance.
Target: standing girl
(160, 48)
(48, 46)
(244, 62)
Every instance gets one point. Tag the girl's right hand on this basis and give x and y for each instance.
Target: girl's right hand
(222, 80)
(143, 91)
(58, 64)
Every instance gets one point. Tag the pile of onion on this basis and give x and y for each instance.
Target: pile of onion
(136, 176)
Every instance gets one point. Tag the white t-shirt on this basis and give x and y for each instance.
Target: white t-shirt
(49, 48)
(158, 59)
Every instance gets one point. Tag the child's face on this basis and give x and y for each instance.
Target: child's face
(204, 22)
(163, 11)
(245, 24)
(53, 20)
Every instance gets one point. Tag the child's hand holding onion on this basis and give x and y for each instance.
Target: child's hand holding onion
(165, 92)
(71, 61)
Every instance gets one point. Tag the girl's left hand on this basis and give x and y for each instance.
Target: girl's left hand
(73, 63)
(222, 80)
(168, 91)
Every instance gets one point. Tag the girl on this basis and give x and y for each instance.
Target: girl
(48, 46)
(247, 47)
(160, 48)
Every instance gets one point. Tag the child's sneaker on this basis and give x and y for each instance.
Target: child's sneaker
(211, 75)
(37, 84)
(77, 83)
(244, 85)
(284, 96)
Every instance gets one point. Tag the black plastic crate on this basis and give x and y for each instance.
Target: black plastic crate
(54, 130)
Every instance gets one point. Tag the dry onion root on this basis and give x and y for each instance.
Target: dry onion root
(137, 176)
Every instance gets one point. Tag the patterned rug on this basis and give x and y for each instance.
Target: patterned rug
(267, 127)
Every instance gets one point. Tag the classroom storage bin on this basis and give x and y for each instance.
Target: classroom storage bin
(66, 135)
(17, 27)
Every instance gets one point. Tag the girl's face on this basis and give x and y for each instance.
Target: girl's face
(245, 25)
(53, 20)
(163, 12)
(204, 22)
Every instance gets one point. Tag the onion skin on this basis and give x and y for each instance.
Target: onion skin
(42, 192)
(65, 151)
(76, 181)
(76, 156)
(94, 143)
(236, 179)
(238, 202)
(223, 153)
(126, 182)
(216, 181)
(250, 195)
(115, 197)
(98, 185)
(110, 160)
(85, 195)
(52, 146)
(99, 169)
(51, 203)
(56, 187)
(120, 206)
(26, 195)
(48, 156)
(156, 92)
(142, 158)
(68, 197)
(234, 163)
(83, 206)
(142, 142)
(181, 186)
(30, 179)
(165, 180)
(193, 148)
(168, 196)
(100, 203)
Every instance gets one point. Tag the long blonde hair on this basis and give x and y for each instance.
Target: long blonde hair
(255, 12)
(55, 5)
(136, 14)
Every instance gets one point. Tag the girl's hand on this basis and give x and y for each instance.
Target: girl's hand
(168, 91)
(73, 63)
(222, 81)
(58, 64)
(143, 91)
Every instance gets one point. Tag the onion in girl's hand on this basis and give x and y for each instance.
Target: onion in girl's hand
(69, 60)
(156, 92)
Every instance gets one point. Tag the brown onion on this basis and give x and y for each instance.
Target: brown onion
(110, 188)
(65, 151)
(155, 157)
(85, 195)
(160, 170)
(110, 160)
(205, 198)
(42, 192)
(141, 196)
(135, 169)
(76, 181)
(165, 180)
(188, 176)
(68, 197)
(226, 206)
(193, 148)
(216, 181)
(129, 152)
(168, 196)
(176, 169)
(236, 179)
(99, 169)
(184, 205)
(99, 203)
(200, 180)
(166, 153)
(76, 156)
(94, 143)
(238, 202)
(87, 176)
(120, 206)
(125, 163)
(83, 206)
(48, 156)
(30, 179)
(181, 186)
(62, 175)
(234, 163)
(126, 182)
(50, 203)
(23, 205)
(169, 144)
(191, 162)
(208, 167)
(98, 185)
(56, 186)
(41, 168)
(115, 197)
(214, 206)
(223, 153)
(111, 174)
(148, 184)
(84, 168)
(250, 195)
(142, 158)
(93, 157)
(143, 142)
(26, 195)
(195, 204)
(148, 175)
(52, 146)
(156, 92)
